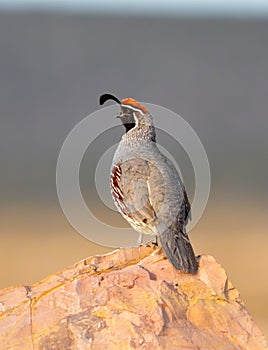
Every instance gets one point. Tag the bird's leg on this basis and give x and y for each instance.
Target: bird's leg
(139, 240)
(152, 241)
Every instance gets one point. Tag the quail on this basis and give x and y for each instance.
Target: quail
(146, 187)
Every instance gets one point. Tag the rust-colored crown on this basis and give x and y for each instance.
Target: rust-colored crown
(133, 103)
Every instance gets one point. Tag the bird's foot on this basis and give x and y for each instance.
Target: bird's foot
(155, 243)
(139, 241)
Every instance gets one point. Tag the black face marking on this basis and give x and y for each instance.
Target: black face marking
(129, 126)
(127, 118)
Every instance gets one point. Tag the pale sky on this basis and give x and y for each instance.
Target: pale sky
(249, 8)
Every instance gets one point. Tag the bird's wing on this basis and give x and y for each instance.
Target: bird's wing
(185, 205)
(131, 191)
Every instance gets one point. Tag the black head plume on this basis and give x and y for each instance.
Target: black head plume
(106, 97)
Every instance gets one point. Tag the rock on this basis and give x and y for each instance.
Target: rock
(128, 299)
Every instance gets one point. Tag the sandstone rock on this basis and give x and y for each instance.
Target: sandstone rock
(129, 299)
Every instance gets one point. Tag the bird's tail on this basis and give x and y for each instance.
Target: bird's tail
(178, 249)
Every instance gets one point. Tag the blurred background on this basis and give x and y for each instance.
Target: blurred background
(205, 60)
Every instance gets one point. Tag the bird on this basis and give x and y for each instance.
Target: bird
(146, 187)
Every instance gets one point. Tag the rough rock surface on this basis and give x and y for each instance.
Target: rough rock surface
(129, 299)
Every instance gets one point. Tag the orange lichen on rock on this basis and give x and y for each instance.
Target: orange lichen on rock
(128, 299)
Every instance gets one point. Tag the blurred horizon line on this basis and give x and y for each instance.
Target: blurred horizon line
(170, 8)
